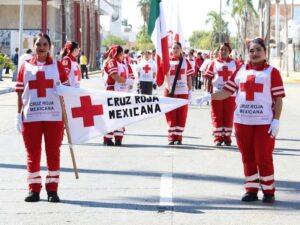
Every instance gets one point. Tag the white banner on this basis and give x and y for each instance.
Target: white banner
(93, 113)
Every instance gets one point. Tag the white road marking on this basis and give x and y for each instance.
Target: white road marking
(166, 190)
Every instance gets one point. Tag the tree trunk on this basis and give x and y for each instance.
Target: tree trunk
(92, 34)
(63, 23)
(82, 26)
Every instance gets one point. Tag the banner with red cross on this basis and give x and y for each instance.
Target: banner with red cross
(93, 113)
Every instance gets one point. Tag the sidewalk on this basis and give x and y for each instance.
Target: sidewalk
(294, 77)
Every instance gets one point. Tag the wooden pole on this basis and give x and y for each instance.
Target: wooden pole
(65, 118)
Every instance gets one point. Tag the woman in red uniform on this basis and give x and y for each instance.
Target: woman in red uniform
(119, 78)
(218, 72)
(176, 118)
(69, 61)
(39, 114)
(260, 90)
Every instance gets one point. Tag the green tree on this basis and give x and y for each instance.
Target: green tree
(240, 9)
(112, 40)
(144, 6)
(201, 40)
(143, 40)
(219, 27)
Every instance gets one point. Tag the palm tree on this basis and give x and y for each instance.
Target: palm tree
(219, 26)
(242, 9)
(144, 6)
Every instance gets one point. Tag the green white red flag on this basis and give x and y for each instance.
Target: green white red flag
(158, 33)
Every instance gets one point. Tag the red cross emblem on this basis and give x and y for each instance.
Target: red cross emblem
(123, 73)
(147, 68)
(77, 74)
(173, 72)
(225, 73)
(250, 87)
(41, 84)
(87, 111)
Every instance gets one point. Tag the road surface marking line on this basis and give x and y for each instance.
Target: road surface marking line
(166, 190)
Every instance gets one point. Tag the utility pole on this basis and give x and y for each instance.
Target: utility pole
(220, 23)
(245, 32)
(286, 40)
(277, 28)
(21, 27)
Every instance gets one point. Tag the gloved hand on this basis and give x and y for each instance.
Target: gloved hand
(129, 81)
(190, 96)
(205, 98)
(274, 128)
(19, 122)
(154, 85)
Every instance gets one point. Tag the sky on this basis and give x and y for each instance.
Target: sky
(192, 14)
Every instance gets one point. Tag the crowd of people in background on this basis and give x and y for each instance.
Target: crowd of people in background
(229, 84)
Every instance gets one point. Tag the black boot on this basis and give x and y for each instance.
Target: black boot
(32, 197)
(118, 142)
(249, 197)
(268, 198)
(171, 142)
(53, 197)
(109, 143)
(179, 142)
(218, 143)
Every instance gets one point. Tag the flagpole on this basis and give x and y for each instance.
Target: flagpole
(68, 135)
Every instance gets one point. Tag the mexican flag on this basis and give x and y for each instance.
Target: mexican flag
(158, 33)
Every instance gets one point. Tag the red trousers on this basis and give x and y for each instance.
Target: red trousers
(222, 118)
(53, 134)
(256, 147)
(117, 134)
(176, 120)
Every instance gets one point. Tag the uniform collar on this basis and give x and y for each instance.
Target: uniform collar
(261, 67)
(226, 60)
(72, 57)
(34, 60)
(173, 58)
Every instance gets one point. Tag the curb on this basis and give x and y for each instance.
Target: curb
(7, 90)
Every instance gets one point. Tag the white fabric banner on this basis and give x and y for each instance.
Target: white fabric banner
(93, 113)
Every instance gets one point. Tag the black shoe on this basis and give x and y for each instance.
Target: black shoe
(227, 143)
(171, 143)
(268, 198)
(249, 197)
(32, 197)
(118, 142)
(53, 197)
(218, 143)
(87, 78)
(179, 142)
(109, 143)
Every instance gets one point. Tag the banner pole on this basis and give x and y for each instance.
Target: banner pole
(68, 135)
